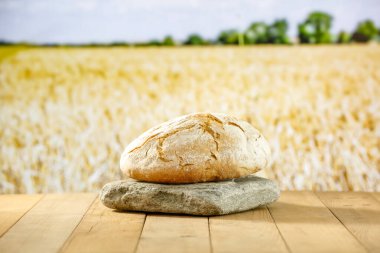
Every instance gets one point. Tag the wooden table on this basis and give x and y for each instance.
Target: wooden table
(298, 222)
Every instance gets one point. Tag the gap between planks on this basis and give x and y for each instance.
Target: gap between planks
(307, 225)
(13, 207)
(102, 229)
(48, 224)
(174, 233)
(249, 231)
(376, 195)
(299, 218)
(359, 212)
(105, 230)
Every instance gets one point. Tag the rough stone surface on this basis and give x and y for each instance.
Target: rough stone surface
(212, 198)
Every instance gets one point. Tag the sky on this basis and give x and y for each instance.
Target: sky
(83, 21)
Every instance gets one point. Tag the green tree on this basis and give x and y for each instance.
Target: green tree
(316, 28)
(118, 44)
(257, 33)
(344, 37)
(277, 32)
(229, 37)
(365, 31)
(168, 41)
(151, 43)
(195, 39)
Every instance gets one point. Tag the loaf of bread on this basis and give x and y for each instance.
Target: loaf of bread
(198, 147)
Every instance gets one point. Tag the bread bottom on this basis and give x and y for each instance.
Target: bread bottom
(183, 176)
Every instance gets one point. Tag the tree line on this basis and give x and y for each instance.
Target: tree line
(314, 30)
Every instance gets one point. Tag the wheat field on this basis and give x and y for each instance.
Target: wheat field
(67, 114)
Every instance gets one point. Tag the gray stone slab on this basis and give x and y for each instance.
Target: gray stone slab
(213, 198)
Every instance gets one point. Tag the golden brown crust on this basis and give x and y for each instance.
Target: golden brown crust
(171, 176)
(198, 147)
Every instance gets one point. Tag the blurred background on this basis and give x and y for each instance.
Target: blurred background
(79, 80)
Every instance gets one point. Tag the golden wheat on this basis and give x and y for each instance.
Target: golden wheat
(66, 114)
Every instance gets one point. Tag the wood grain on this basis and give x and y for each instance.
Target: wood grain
(105, 230)
(174, 233)
(359, 212)
(251, 231)
(13, 207)
(308, 226)
(299, 221)
(48, 224)
(376, 195)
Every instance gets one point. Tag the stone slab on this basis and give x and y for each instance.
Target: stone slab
(206, 199)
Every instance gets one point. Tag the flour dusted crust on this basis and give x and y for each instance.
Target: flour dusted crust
(198, 147)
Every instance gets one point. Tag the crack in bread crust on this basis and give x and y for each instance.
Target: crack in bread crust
(160, 152)
(148, 139)
(206, 127)
(196, 148)
(215, 135)
(174, 131)
(181, 163)
(161, 139)
(240, 127)
(209, 117)
(213, 155)
(236, 125)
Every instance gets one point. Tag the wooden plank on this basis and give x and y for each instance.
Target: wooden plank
(48, 224)
(308, 226)
(376, 195)
(359, 212)
(251, 231)
(174, 233)
(105, 230)
(13, 207)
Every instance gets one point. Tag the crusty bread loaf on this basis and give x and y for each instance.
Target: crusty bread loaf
(194, 148)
